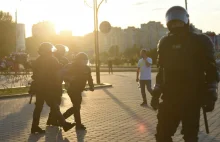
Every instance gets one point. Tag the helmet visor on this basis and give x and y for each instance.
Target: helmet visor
(53, 49)
(177, 15)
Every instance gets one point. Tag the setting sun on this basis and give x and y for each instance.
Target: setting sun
(65, 15)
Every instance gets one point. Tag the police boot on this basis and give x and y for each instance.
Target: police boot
(68, 113)
(67, 126)
(37, 129)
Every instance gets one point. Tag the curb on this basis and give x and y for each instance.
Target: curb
(123, 70)
(103, 85)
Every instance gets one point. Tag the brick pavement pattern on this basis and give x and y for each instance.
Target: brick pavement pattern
(110, 114)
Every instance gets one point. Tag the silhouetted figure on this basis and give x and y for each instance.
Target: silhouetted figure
(144, 67)
(59, 53)
(110, 70)
(46, 85)
(77, 74)
(187, 78)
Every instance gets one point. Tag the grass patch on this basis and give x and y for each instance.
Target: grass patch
(14, 91)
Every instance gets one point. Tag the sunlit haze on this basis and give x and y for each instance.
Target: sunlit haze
(76, 16)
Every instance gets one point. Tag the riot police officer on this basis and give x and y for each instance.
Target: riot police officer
(59, 53)
(46, 87)
(77, 74)
(187, 78)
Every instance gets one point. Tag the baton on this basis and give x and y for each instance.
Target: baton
(206, 121)
(31, 98)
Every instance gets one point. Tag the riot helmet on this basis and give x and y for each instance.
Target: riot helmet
(177, 19)
(81, 58)
(46, 49)
(61, 50)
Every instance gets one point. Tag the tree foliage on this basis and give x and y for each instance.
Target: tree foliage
(7, 36)
(114, 51)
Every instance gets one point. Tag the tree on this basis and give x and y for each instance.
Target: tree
(104, 57)
(32, 44)
(153, 54)
(132, 52)
(7, 38)
(114, 51)
(43, 30)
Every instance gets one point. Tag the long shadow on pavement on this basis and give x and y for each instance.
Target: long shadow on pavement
(127, 109)
(15, 124)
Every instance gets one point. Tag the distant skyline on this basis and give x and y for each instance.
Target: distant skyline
(74, 15)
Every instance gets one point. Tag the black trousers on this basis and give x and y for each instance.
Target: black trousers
(52, 103)
(143, 84)
(169, 117)
(52, 117)
(76, 99)
(110, 70)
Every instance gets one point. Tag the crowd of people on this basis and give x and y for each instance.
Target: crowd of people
(15, 62)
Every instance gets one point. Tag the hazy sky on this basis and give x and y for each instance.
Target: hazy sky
(76, 16)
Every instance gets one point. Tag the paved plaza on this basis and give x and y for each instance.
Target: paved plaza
(110, 114)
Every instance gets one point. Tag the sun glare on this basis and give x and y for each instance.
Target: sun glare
(68, 15)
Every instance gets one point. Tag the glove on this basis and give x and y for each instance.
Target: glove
(209, 106)
(33, 88)
(210, 97)
(156, 93)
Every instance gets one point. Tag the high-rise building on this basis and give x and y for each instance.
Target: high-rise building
(151, 34)
(145, 37)
(20, 37)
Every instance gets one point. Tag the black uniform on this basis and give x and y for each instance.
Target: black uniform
(62, 60)
(52, 120)
(186, 69)
(110, 66)
(47, 88)
(78, 75)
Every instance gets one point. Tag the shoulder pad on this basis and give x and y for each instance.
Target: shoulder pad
(162, 41)
(205, 40)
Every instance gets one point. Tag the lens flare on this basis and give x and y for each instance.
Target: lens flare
(142, 128)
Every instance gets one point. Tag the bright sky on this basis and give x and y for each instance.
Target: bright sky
(76, 16)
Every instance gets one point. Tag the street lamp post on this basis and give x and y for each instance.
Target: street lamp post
(96, 41)
(96, 7)
(96, 38)
(16, 23)
(186, 4)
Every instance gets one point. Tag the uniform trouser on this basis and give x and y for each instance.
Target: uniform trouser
(170, 115)
(76, 99)
(52, 117)
(143, 84)
(52, 103)
(110, 69)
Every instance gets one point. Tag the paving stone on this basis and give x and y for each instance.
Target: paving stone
(110, 115)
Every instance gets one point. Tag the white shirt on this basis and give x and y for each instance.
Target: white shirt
(145, 71)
